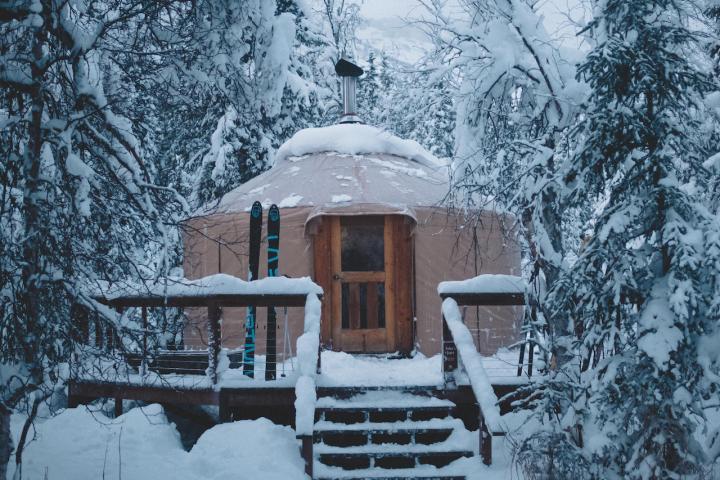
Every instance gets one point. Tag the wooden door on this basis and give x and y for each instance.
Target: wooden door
(364, 265)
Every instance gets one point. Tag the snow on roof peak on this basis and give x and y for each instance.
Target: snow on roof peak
(354, 139)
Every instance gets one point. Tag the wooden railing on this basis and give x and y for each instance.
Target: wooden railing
(460, 354)
(185, 361)
(308, 355)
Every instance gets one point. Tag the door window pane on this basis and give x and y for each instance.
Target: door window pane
(363, 305)
(363, 244)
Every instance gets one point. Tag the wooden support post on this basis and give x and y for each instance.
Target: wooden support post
(223, 409)
(530, 356)
(118, 406)
(450, 357)
(485, 441)
(522, 358)
(73, 400)
(319, 363)
(113, 343)
(85, 327)
(306, 451)
(109, 338)
(98, 333)
(318, 369)
(214, 340)
(143, 362)
(79, 329)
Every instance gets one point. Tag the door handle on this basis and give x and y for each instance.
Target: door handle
(336, 277)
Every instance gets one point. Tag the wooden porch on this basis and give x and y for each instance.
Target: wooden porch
(195, 378)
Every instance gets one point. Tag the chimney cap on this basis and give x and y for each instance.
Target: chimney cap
(345, 68)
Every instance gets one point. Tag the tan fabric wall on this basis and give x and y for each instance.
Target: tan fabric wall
(447, 250)
(227, 236)
(443, 251)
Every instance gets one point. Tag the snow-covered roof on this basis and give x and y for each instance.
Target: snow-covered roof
(325, 182)
(354, 139)
(348, 169)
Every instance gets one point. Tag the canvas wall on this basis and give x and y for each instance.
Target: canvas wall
(444, 250)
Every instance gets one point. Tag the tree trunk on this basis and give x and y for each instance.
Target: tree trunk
(6, 443)
(23, 435)
(551, 222)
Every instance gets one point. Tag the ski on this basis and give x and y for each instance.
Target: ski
(273, 254)
(253, 272)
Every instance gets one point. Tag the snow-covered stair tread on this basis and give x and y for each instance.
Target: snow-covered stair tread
(460, 440)
(454, 471)
(389, 434)
(435, 423)
(383, 399)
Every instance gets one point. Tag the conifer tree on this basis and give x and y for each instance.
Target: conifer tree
(642, 294)
(79, 204)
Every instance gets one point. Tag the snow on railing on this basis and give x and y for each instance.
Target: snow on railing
(471, 362)
(219, 284)
(459, 350)
(308, 354)
(485, 284)
(308, 344)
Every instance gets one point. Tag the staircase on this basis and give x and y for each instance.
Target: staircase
(389, 434)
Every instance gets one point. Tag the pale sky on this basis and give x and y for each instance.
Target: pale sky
(387, 26)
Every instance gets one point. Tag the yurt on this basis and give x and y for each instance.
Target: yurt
(363, 213)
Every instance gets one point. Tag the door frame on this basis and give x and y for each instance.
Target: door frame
(399, 285)
(342, 337)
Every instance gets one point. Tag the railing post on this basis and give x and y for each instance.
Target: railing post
(118, 406)
(143, 362)
(111, 335)
(98, 333)
(319, 363)
(531, 347)
(223, 407)
(306, 451)
(485, 440)
(214, 340)
(80, 330)
(449, 353)
(521, 360)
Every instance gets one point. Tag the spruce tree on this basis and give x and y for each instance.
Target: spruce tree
(79, 204)
(641, 293)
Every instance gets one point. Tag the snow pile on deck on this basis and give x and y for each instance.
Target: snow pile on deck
(485, 284)
(354, 139)
(143, 445)
(217, 284)
(343, 369)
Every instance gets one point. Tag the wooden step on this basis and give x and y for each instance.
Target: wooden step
(360, 414)
(347, 392)
(382, 476)
(370, 435)
(391, 459)
(451, 472)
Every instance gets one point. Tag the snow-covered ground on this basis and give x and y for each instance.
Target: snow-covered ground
(142, 444)
(79, 444)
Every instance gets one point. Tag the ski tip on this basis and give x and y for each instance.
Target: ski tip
(274, 213)
(256, 209)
